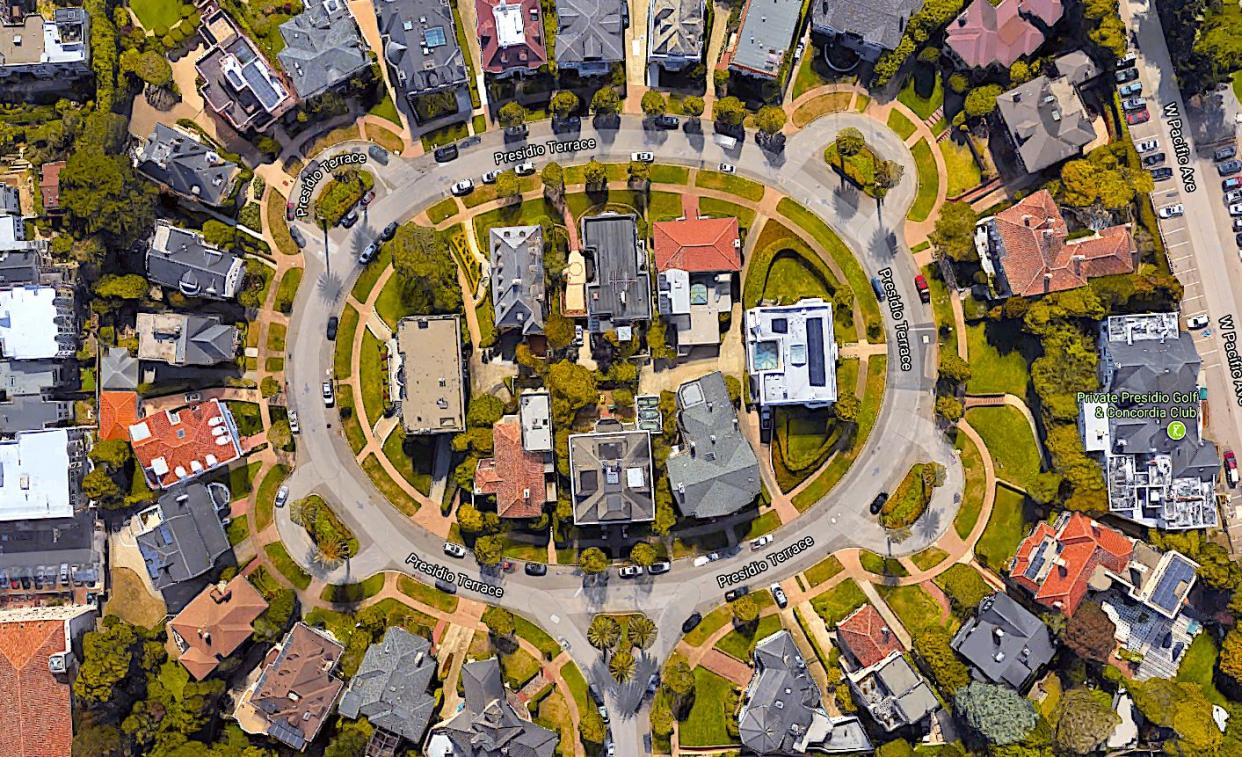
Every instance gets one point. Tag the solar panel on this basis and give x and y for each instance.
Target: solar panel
(1037, 562)
(815, 350)
(434, 37)
(1177, 573)
(261, 87)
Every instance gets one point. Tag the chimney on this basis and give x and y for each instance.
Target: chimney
(998, 634)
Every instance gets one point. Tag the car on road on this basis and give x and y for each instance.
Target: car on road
(1237, 239)
(1161, 174)
(656, 568)
(1129, 60)
(296, 235)
(469, 142)
(282, 496)
(572, 123)
(1231, 467)
(1138, 117)
(329, 396)
(877, 286)
(653, 683)
(524, 169)
(877, 504)
(536, 569)
(666, 122)
(629, 571)
(379, 154)
(705, 559)
(463, 188)
(1196, 321)
(1237, 224)
(733, 594)
(1225, 153)
(367, 198)
(920, 283)
(389, 232)
(1172, 211)
(762, 541)
(448, 587)
(779, 595)
(1155, 159)
(453, 549)
(728, 168)
(333, 323)
(368, 253)
(603, 713)
(642, 157)
(1124, 75)
(293, 423)
(1147, 145)
(1133, 89)
(1133, 103)
(1233, 182)
(349, 219)
(1229, 167)
(446, 153)
(290, 210)
(489, 177)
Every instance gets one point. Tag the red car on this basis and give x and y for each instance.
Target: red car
(1231, 467)
(1138, 117)
(289, 208)
(920, 284)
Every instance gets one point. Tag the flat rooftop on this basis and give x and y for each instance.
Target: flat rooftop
(34, 476)
(431, 374)
(28, 323)
(791, 354)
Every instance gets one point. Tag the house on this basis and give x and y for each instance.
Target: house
(49, 187)
(41, 475)
(118, 370)
(1076, 66)
(487, 720)
(535, 413)
(27, 389)
(696, 259)
(714, 471)
(37, 668)
(390, 688)
(178, 161)
(883, 681)
(297, 689)
(515, 475)
(590, 35)
(32, 47)
(998, 35)
(517, 278)
(675, 33)
(215, 624)
(1055, 562)
(37, 322)
(430, 386)
(420, 48)
(1046, 122)
(323, 48)
(620, 293)
(864, 28)
(1028, 251)
(118, 395)
(1004, 642)
(238, 84)
(762, 43)
(181, 535)
(28, 412)
(782, 711)
(1147, 604)
(791, 354)
(611, 476)
(185, 339)
(182, 259)
(176, 446)
(20, 256)
(510, 36)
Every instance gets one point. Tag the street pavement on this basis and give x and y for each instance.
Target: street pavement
(564, 601)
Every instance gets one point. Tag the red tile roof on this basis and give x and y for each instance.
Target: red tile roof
(514, 475)
(38, 718)
(866, 636)
(49, 184)
(1064, 559)
(214, 624)
(1037, 257)
(177, 445)
(117, 412)
(702, 245)
(987, 34)
(529, 53)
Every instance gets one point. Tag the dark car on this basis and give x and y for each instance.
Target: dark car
(572, 123)
(877, 504)
(1225, 153)
(536, 569)
(666, 122)
(446, 153)
(516, 132)
(296, 235)
(1237, 238)
(1229, 167)
(379, 154)
(691, 623)
(368, 198)
(733, 594)
(1231, 183)
(333, 324)
(1161, 174)
(469, 142)
(310, 168)
(1125, 75)
(877, 286)
(349, 219)
(595, 693)
(1155, 159)
(448, 587)
(290, 210)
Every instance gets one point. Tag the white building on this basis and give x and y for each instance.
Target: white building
(36, 322)
(36, 47)
(40, 474)
(791, 354)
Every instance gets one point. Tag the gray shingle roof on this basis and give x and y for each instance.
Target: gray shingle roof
(1004, 642)
(1046, 120)
(181, 259)
(765, 35)
(676, 28)
(611, 476)
(118, 370)
(390, 687)
(323, 47)
(189, 538)
(877, 22)
(517, 278)
(590, 31)
(19, 267)
(420, 45)
(32, 412)
(620, 293)
(715, 472)
(186, 166)
(487, 725)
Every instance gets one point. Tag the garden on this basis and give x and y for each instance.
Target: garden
(331, 537)
(912, 496)
(342, 192)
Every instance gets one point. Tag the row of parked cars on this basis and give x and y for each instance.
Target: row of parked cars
(41, 577)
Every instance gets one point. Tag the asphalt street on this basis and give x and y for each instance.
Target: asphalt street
(563, 601)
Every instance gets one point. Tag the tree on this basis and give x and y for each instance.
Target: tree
(745, 610)
(1021, 72)
(112, 452)
(604, 632)
(895, 748)
(639, 172)
(641, 631)
(553, 181)
(846, 408)
(107, 656)
(954, 233)
(981, 101)
(729, 111)
(98, 485)
(499, 621)
(849, 142)
(572, 387)
(591, 727)
(469, 519)
(953, 369)
(692, 106)
(351, 738)
(129, 286)
(677, 678)
(946, 668)
(950, 408)
(97, 741)
(488, 549)
(998, 714)
(421, 259)
(888, 175)
(621, 666)
(606, 101)
(642, 554)
(1084, 718)
(661, 718)
(1091, 633)
(594, 174)
(330, 552)
(1231, 655)
(280, 435)
(564, 104)
(101, 194)
(770, 119)
(511, 115)
(484, 411)
(593, 561)
(507, 186)
(654, 103)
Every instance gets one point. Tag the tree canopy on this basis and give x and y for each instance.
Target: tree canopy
(954, 232)
(101, 193)
(998, 714)
(426, 270)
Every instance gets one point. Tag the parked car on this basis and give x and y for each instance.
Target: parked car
(733, 594)
(282, 496)
(1196, 321)
(329, 396)
(1138, 117)
(779, 595)
(1128, 60)
(1234, 196)
(367, 198)
(1155, 159)
(629, 571)
(389, 231)
(1161, 174)
(333, 323)
(1133, 103)
(453, 549)
(1229, 167)
(1235, 210)
(350, 218)
(877, 504)
(490, 177)
(296, 235)
(1233, 182)
(524, 169)
(446, 153)
(642, 157)
(728, 168)
(1147, 145)
(536, 569)
(1172, 211)
(1132, 89)
(920, 283)
(515, 132)
(463, 188)
(761, 542)
(656, 568)
(877, 286)
(368, 253)
(448, 587)
(603, 713)
(293, 423)
(1237, 239)
(1231, 467)
(1237, 224)
(1125, 75)
(705, 559)
(1225, 153)
(379, 154)
(666, 122)
(653, 683)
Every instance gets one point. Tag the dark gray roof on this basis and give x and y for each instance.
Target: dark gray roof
(487, 726)
(767, 31)
(181, 259)
(910, 699)
(620, 292)
(715, 472)
(32, 412)
(186, 166)
(517, 278)
(420, 45)
(590, 31)
(19, 267)
(189, 537)
(677, 28)
(390, 687)
(118, 370)
(30, 377)
(877, 22)
(208, 341)
(782, 698)
(322, 47)
(1076, 66)
(10, 200)
(1046, 120)
(1005, 642)
(611, 476)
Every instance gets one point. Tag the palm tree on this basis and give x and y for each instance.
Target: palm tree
(331, 552)
(604, 632)
(642, 632)
(849, 142)
(622, 666)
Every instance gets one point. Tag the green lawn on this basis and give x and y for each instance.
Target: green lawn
(518, 668)
(929, 182)
(812, 72)
(740, 646)
(287, 289)
(1007, 435)
(929, 558)
(526, 213)
(352, 593)
(942, 309)
(537, 636)
(371, 273)
(912, 605)
(909, 499)
(822, 571)
(898, 122)
(715, 700)
(997, 365)
(266, 498)
(156, 14)
(386, 109)
(923, 107)
(350, 425)
(973, 489)
(389, 488)
(964, 586)
(390, 305)
(1197, 666)
(283, 563)
(730, 183)
(666, 174)
(341, 359)
(442, 210)
(577, 685)
(665, 206)
(710, 206)
(276, 333)
(238, 530)
(428, 595)
(832, 102)
(960, 164)
(882, 566)
(415, 465)
(710, 623)
(1005, 529)
(839, 601)
(371, 375)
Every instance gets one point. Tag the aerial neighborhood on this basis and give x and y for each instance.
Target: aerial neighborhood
(593, 378)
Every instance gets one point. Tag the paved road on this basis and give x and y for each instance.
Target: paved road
(1200, 244)
(563, 601)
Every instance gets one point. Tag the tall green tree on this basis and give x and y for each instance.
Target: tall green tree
(101, 193)
(564, 104)
(426, 269)
(770, 119)
(1084, 718)
(654, 103)
(729, 111)
(604, 632)
(606, 101)
(954, 232)
(998, 714)
(511, 115)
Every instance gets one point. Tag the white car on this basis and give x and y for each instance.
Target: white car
(293, 422)
(1235, 210)
(656, 568)
(728, 168)
(453, 549)
(282, 496)
(629, 571)
(705, 559)
(490, 177)
(1147, 145)
(463, 188)
(779, 595)
(524, 169)
(642, 157)
(1197, 321)
(761, 542)
(1172, 211)
(329, 396)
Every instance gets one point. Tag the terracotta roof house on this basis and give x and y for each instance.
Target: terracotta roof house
(214, 624)
(696, 259)
(698, 245)
(510, 36)
(49, 186)
(866, 637)
(1030, 253)
(37, 666)
(1046, 121)
(1055, 563)
(117, 412)
(182, 444)
(993, 35)
(296, 691)
(514, 474)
